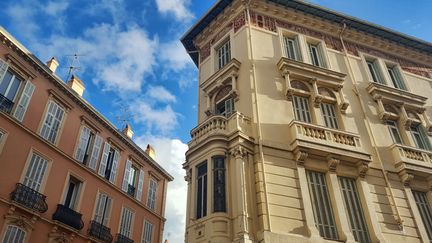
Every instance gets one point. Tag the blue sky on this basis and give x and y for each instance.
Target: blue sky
(135, 69)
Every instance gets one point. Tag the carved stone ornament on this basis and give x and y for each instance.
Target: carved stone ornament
(332, 163)
(59, 236)
(343, 107)
(362, 168)
(300, 156)
(317, 100)
(406, 177)
(188, 176)
(12, 217)
(238, 152)
(208, 112)
(289, 94)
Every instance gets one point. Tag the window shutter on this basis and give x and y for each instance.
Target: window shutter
(228, 107)
(49, 117)
(114, 168)
(24, 100)
(35, 172)
(140, 186)
(104, 159)
(95, 152)
(107, 211)
(3, 68)
(83, 141)
(126, 175)
(99, 207)
(425, 137)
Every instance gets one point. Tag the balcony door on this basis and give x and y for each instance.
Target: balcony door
(72, 193)
(10, 85)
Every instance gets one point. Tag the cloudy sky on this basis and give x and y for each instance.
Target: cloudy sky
(136, 70)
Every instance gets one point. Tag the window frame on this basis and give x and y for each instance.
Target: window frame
(223, 44)
(146, 226)
(204, 197)
(45, 175)
(393, 124)
(424, 142)
(295, 39)
(131, 223)
(76, 194)
(427, 204)
(152, 194)
(397, 79)
(106, 216)
(90, 146)
(60, 125)
(215, 170)
(6, 229)
(14, 76)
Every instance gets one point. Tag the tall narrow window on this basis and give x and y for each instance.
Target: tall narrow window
(396, 77)
(301, 109)
(329, 114)
(103, 209)
(9, 88)
(52, 122)
(354, 210)
(225, 107)
(321, 205)
(126, 222)
(374, 71)
(219, 184)
(291, 48)
(151, 198)
(109, 163)
(224, 54)
(35, 172)
(316, 55)
(14, 234)
(394, 131)
(425, 210)
(147, 233)
(130, 179)
(86, 143)
(420, 137)
(201, 204)
(72, 193)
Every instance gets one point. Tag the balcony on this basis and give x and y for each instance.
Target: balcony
(122, 239)
(227, 72)
(397, 96)
(29, 198)
(221, 127)
(6, 105)
(68, 217)
(131, 190)
(322, 141)
(417, 161)
(100, 231)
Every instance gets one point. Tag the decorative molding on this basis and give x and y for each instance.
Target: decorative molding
(188, 176)
(429, 180)
(238, 152)
(362, 168)
(300, 156)
(59, 236)
(14, 218)
(332, 163)
(239, 21)
(406, 177)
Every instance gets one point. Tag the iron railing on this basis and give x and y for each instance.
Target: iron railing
(122, 239)
(6, 104)
(68, 217)
(100, 231)
(29, 198)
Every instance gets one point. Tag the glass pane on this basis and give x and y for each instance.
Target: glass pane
(5, 83)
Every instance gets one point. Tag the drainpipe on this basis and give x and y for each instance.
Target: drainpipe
(260, 142)
(368, 127)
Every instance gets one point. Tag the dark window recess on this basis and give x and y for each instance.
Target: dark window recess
(68, 216)
(100, 232)
(87, 152)
(122, 239)
(29, 198)
(5, 104)
(225, 107)
(72, 193)
(201, 204)
(110, 163)
(219, 184)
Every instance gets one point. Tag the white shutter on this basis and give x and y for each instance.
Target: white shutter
(138, 195)
(24, 100)
(107, 211)
(3, 68)
(95, 152)
(83, 141)
(104, 159)
(99, 207)
(114, 168)
(35, 172)
(126, 175)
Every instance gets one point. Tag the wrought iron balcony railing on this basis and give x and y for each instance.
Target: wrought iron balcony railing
(29, 198)
(68, 217)
(5, 104)
(122, 239)
(131, 190)
(100, 231)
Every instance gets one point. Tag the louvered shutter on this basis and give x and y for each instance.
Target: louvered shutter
(100, 207)
(140, 185)
(24, 101)
(83, 141)
(107, 211)
(95, 152)
(104, 159)
(126, 175)
(114, 167)
(3, 68)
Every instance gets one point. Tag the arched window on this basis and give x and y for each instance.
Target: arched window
(300, 102)
(14, 234)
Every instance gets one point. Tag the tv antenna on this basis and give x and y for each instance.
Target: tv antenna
(125, 116)
(74, 64)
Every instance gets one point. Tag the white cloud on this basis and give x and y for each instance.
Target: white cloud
(170, 154)
(55, 8)
(174, 55)
(159, 93)
(22, 17)
(162, 119)
(176, 7)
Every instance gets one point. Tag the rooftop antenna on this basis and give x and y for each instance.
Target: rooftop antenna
(124, 117)
(74, 64)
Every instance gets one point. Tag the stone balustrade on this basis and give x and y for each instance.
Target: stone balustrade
(411, 155)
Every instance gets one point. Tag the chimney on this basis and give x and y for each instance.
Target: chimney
(77, 85)
(150, 151)
(52, 64)
(128, 131)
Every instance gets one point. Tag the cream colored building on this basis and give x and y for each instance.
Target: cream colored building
(313, 126)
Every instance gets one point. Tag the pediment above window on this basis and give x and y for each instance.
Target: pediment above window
(225, 75)
(395, 96)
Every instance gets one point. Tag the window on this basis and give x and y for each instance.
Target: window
(14, 234)
(148, 232)
(201, 204)
(291, 48)
(151, 197)
(394, 131)
(425, 211)
(86, 142)
(126, 222)
(109, 163)
(329, 114)
(225, 107)
(321, 206)
(10, 85)
(420, 137)
(103, 209)
(301, 109)
(316, 55)
(2, 134)
(224, 54)
(396, 77)
(35, 172)
(374, 71)
(72, 193)
(52, 122)
(133, 180)
(354, 210)
(219, 184)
